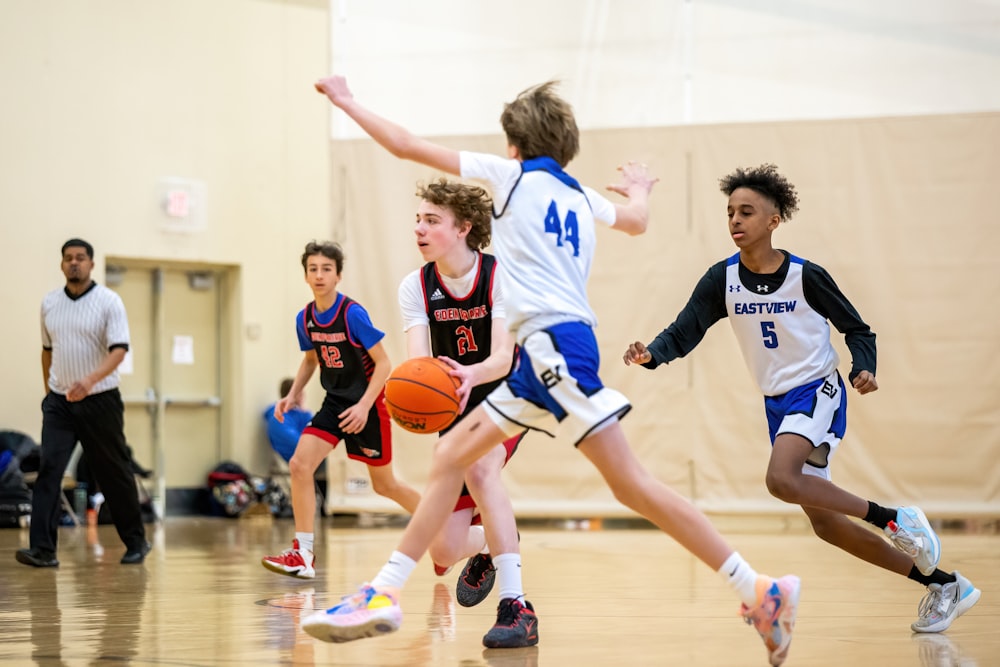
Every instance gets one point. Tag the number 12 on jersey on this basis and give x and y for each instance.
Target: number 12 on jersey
(567, 229)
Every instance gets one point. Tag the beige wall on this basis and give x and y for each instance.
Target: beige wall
(102, 99)
(899, 210)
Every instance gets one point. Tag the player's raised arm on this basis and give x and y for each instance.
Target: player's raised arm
(633, 217)
(396, 139)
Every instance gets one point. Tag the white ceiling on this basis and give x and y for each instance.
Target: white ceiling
(447, 66)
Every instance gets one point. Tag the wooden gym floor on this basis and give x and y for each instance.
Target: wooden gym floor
(604, 597)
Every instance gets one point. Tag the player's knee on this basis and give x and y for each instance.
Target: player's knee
(781, 486)
(299, 469)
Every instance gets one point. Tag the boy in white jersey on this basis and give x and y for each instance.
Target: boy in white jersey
(778, 305)
(544, 237)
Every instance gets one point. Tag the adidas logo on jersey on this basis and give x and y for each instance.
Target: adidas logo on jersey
(437, 295)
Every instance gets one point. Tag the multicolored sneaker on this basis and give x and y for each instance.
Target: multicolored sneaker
(368, 613)
(944, 603)
(294, 562)
(774, 614)
(476, 580)
(912, 534)
(516, 625)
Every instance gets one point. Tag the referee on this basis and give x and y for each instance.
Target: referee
(84, 338)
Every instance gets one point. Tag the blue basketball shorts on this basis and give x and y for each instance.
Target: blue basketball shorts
(554, 387)
(816, 411)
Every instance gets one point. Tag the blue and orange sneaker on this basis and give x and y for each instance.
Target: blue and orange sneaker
(774, 614)
(912, 534)
(368, 613)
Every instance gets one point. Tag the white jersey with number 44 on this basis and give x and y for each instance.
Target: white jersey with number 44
(543, 237)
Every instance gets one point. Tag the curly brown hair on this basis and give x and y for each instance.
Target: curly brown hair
(539, 123)
(764, 180)
(469, 203)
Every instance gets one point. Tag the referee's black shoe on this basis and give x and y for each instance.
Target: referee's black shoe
(37, 557)
(137, 555)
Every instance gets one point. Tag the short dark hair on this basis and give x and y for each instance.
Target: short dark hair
(766, 181)
(286, 386)
(329, 249)
(78, 243)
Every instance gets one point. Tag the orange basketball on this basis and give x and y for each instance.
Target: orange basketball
(421, 395)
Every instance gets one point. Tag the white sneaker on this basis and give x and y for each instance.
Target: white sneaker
(943, 604)
(912, 534)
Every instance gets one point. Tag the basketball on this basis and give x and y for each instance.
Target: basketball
(421, 395)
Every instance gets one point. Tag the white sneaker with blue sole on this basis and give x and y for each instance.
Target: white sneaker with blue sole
(912, 534)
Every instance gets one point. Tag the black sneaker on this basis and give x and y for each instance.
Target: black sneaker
(516, 625)
(37, 557)
(136, 556)
(476, 580)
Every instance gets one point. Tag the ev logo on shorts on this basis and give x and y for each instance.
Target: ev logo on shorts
(829, 390)
(550, 377)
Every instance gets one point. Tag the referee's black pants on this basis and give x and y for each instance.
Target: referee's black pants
(98, 423)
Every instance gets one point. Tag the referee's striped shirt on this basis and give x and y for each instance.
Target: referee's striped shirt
(81, 331)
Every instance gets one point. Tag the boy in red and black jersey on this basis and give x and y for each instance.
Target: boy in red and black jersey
(336, 335)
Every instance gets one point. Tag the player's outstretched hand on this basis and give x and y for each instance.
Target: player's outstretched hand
(865, 383)
(637, 354)
(634, 175)
(335, 88)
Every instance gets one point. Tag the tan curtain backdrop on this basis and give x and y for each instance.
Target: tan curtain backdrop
(902, 213)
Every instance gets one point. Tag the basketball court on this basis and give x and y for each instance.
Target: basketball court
(604, 596)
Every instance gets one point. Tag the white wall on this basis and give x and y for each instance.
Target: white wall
(446, 67)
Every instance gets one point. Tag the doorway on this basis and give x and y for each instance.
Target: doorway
(176, 406)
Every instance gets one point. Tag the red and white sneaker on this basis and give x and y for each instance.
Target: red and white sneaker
(441, 570)
(294, 562)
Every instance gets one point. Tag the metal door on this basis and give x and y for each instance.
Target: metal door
(171, 382)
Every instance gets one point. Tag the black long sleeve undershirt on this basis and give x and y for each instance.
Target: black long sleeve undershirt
(707, 305)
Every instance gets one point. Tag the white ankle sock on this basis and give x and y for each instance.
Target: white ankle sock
(396, 571)
(741, 578)
(509, 576)
(305, 541)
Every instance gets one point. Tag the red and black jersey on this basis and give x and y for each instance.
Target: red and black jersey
(345, 366)
(461, 327)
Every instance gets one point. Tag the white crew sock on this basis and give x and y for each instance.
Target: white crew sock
(509, 576)
(741, 578)
(395, 572)
(305, 541)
